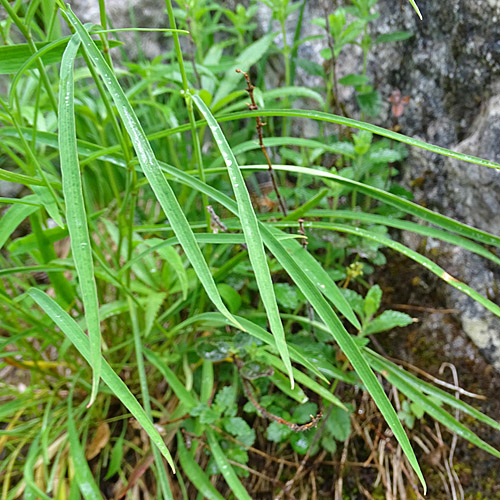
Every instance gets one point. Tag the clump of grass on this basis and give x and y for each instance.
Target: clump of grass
(135, 315)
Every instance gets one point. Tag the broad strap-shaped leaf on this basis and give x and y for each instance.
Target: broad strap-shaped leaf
(151, 169)
(250, 226)
(75, 334)
(76, 217)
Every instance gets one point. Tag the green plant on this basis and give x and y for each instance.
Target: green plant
(341, 33)
(116, 177)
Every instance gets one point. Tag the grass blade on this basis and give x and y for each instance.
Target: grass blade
(76, 217)
(151, 169)
(83, 475)
(379, 363)
(75, 334)
(424, 261)
(395, 201)
(226, 468)
(417, 10)
(349, 122)
(434, 410)
(253, 238)
(19, 57)
(195, 473)
(14, 216)
(405, 225)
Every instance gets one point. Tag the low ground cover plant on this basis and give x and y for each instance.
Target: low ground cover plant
(182, 279)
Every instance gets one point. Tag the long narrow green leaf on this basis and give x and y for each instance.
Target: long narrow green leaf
(6, 175)
(83, 475)
(185, 397)
(14, 58)
(395, 201)
(75, 334)
(75, 209)
(253, 238)
(226, 468)
(195, 473)
(29, 269)
(20, 201)
(14, 216)
(405, 225)
(343, 148)
(424, 261)
(383, 365)
(151, 169)
(349, 122)
(300, 113)
(415, 6)
(434, 410)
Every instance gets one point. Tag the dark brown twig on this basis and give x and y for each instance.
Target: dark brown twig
(304, 241)
(215, 223)
(252, 106)
(270, 416)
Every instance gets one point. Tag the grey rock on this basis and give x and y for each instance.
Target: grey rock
(128, 13)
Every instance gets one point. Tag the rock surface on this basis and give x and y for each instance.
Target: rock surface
(451, 69)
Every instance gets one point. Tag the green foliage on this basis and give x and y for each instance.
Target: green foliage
(350, 26)
(120, 286)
